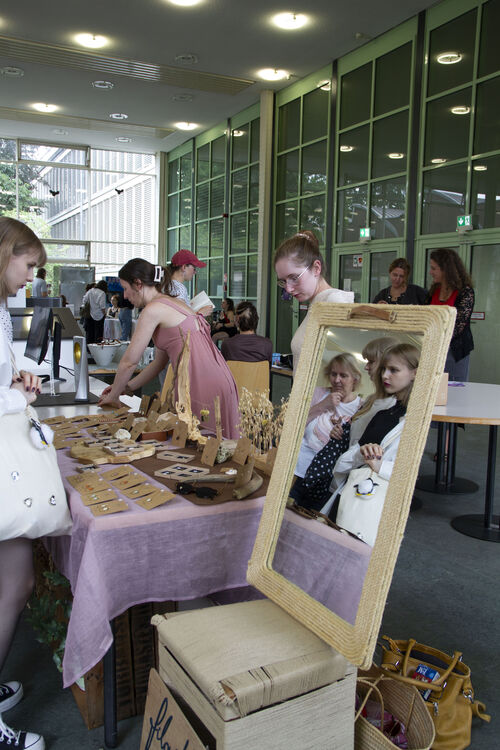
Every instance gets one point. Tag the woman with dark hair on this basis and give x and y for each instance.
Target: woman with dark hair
(452, 286)
(96, 297)
(227, 325)
(168, 321)
(301, 270)
(248, 346)
(400, 292)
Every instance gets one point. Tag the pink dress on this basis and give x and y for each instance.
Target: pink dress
(209, 374)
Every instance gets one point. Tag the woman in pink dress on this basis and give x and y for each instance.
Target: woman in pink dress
(167, 320)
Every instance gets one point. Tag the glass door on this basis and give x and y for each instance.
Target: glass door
(485, 326)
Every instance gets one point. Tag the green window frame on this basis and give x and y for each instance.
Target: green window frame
(180, 190)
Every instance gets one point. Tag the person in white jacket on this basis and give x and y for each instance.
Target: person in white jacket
(20, 252)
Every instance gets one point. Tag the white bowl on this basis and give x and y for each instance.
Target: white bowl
(120, 350)
(103, 353)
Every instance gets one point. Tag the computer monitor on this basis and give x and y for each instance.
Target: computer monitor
(38, 337)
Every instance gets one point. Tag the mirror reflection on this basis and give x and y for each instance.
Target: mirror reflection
(346, 458)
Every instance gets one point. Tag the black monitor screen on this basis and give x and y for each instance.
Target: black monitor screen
(38, 337)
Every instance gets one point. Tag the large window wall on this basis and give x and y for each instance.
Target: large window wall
(180, 198)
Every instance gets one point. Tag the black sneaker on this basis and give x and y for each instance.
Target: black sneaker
(10, 695)
(10, 738)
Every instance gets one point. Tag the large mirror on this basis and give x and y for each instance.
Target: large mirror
(333, 580)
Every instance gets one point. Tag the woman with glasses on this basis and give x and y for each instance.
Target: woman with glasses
(300, 269)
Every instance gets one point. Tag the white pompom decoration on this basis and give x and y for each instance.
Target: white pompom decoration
(36, 438)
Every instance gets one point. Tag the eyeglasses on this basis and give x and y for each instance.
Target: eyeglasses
(292, 280)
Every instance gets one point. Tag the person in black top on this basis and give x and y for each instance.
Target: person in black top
(400, 292)
(247, 346)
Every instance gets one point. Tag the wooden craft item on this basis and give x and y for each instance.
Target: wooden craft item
(153, 441)
(98, 497)
(66, 443)
(180, 434)
(127, 448)
(105, 509)
(244, 474)
(113, 428)
(265, 463)
(211, 478)
(218, 419)
(144, 405)
(99, 456)
(54, 420)
(120, 471)
(168, 472)
(128, 423)
(155, 405)
(85, 468)
(256, 481)
(155, 500)
(140, 490)
(138, 428)
(130, 480)
(242, 451)
(167, 421)
(152, 423)
(180, 458)
(88, 483)
(210, 451)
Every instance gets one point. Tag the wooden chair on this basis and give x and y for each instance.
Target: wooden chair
(254, 376)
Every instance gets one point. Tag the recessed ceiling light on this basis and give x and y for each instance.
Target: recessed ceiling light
(186, 125)
(396, 155)
(12, 72)
(123, 139)
(94, 41)
(480, 167)
(449, 58)
(345, 149)
(290, 21)
(438, 160)
(239, 133)
(273, 74)
(182, 98)
(186, 58)
(184, 2)
(41, 107)
(60, 131)
(325, 86)
(460, 110)
(103, 84)
(119, 116)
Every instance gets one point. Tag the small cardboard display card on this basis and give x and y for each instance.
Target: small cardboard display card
(84, 468)
(89, 482)
(180, 458)
(144, 405)
(243, 448)
(99, 497)
(165, 726)
(54, 420)
(155, 500)
(130, 480)
(210, 451)
(179, 435)
(141, 490)
(121, 471)
(105, 509)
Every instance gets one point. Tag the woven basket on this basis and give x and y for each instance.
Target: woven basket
(405, 705)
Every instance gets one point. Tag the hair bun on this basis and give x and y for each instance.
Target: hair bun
(309, 236)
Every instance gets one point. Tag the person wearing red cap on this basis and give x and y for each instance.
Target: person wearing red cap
(183, 267)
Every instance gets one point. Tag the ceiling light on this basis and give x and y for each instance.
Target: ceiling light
(41, 107)
(184, 2)
(449, 58)
(12, 72)
(186, 58)
(123, 139)
(290, 21)
(438, 160)
(238, 133)
(186, 125)
(60, 131)
(396, 155)
(345, 149)
(460, 110)
(480, 167)
(119, 116)
(94, 41)
(325, 86)
(102, 84)
(182, 98)
(273, 74)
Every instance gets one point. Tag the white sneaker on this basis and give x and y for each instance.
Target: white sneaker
(10, 695)
(10, 738)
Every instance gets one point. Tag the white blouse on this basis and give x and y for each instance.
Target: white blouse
(11, 400)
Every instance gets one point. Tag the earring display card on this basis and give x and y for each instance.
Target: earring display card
(210, 451)
(243, 448)
(89, 482)
(180, 434)
(155, 500)
(167, 473)
(105, 509)
(131, 480)
(99, 497)
(118, 473)
(54, 420)
(67, 443)
(141, 490)
(180, 458)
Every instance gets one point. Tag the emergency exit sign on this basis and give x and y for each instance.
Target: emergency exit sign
(365, 233)
(464, 222)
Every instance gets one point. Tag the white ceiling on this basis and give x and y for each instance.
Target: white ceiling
(230, 39)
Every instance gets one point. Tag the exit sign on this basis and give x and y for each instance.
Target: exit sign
(365, 233)
(464, 222)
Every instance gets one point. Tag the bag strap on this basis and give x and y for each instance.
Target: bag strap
(478, 709)
(372, 683)
(457, 655)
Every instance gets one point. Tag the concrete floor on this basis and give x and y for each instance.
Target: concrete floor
(443, 593)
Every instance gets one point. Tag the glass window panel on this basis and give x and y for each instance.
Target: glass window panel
(8, 177)
(379, 271)
(350, 275)
(60, 196)
(202, 239)
(355, 96)
(351, 213)
(239, 190)
(487, 119)
(239, 143)
(57, 154)
(392, 79)
(202, 201)
(288, 175)
(457, 37)
(185, 236)
(353, 155)
(315, 115)
(443, 198)
(218, 156)
(186, 170)
(447, 133)
(252, 277)
(185, 206)
(62, 252)
(203, 162)
(388, 208)
(390, 144)
(237, 277)
(286, 221)
(215, 280)
(255, 140)
(217, 197)
(253, 230)
(486, 192)
(289, 125)
(7, 149)
(253, 198)
(201, 278)
(238, 233)
(314, 168)
(489, 59)
(216, 237)
(173, 175)
(172, 244)
(123, 161)
(173, 209)
(312, 216)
